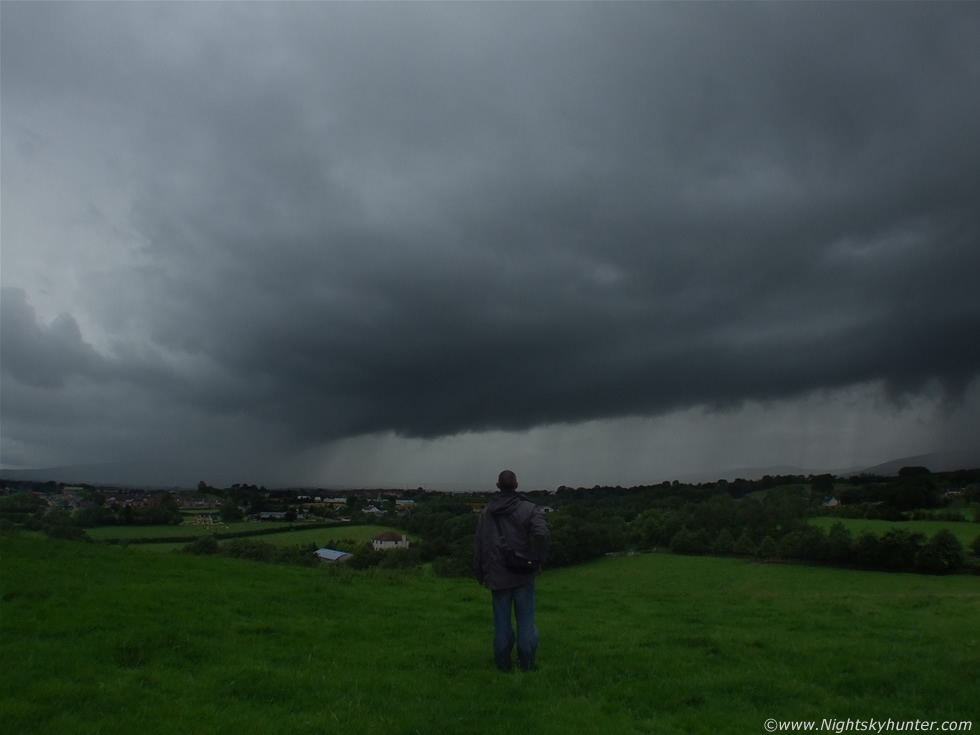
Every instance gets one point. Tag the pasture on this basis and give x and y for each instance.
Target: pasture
(100, 639)
(290, 534)
(123, 533)
(963, 531)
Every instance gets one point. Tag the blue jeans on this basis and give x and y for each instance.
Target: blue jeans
(522, 601)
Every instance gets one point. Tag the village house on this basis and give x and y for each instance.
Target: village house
(389, 540)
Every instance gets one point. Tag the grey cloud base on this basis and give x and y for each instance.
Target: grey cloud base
(442, 219)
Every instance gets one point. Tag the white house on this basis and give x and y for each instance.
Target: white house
(389, 540)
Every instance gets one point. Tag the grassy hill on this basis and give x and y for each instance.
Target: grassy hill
(284, 534)
(100, 639)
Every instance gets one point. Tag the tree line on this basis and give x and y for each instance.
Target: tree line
(728, 519)
(766, 519)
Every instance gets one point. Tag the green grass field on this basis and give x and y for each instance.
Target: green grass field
(965, 532)
(102, 533)
(320, 536)
(100, 639)
(290, 536)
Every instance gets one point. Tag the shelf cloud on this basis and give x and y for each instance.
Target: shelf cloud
(243, 235)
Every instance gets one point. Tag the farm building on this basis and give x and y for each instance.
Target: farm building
(332, 555)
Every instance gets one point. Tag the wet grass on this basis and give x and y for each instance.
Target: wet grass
(97, 639)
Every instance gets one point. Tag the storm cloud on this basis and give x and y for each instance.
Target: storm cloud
(314, 222)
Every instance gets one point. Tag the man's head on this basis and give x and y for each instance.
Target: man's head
(507, 481)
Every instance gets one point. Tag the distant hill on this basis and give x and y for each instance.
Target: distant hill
(960, 459)
(947, 461)
(745, 473)
(134, 475)
(167, 475)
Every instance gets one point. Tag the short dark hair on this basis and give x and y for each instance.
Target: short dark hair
(507, 480)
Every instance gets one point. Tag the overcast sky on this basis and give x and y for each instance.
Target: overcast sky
(413, 244)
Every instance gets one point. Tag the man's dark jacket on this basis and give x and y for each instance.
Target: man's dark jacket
(523, 528)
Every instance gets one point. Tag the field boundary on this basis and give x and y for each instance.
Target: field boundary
(227, 535)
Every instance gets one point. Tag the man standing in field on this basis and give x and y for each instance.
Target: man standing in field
(511, 526)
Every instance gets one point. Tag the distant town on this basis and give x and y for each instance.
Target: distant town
(208, 504)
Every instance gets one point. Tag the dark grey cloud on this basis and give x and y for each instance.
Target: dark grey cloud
(41, 355)
(440, 218)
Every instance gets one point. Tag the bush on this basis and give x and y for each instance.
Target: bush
(897, 549)
(251, 550)
(452, 566)
(365, 557)
(400, 559)
(301, 554)
(865, 549)
(203, 545)
(8, 527)
(66, 531)
(943, 554)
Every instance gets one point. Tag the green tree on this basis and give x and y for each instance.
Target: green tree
(839, 543)
(724, 544)
(898, 548)
(166, 512)
(943, 554)
(792, 546)
(865, 549)
(822, 484)
(745, 546)
(230, 511)
(686, 541)
(767, 549)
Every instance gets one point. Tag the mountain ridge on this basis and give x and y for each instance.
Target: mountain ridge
(165, 476)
